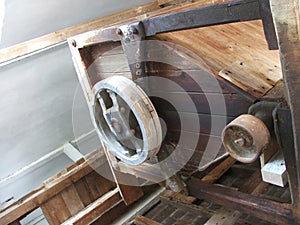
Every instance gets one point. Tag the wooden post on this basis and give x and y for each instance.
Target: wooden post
(285, 14)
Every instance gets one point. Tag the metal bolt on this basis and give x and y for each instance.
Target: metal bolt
(240, 142)
(138, 72)
(74, 43)
(137, 65)
(119, 31)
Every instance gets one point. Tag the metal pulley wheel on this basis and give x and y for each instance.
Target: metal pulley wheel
(126, 120)
(245, 138)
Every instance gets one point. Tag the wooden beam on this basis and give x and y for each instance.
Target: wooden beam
(285, 15)
(141, 220)
(264, 209)
(32, 201)
(152, 9)
(96, 209)
(218, 172)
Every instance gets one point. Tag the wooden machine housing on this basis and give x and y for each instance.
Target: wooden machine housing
(240, 37)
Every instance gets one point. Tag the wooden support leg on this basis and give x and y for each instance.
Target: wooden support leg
(285, 16)
(130, 193)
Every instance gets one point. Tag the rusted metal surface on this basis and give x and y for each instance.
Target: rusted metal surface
(245, 138)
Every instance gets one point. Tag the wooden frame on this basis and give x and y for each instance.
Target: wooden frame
(257, 10)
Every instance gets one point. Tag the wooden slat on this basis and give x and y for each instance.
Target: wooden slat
(224, 217)
(96, 209)
(128, 184)
(33, 201)
(55, 210)
(141, 220)
(83, 192)
(256, 81)
(15, 223)
(72, 200)
(271, 211)
(217, 172)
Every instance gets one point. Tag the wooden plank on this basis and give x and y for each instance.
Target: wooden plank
(55, 210)
(218, 172)
(83, 192)
(128, 184)
(271, 211)
(15, 223)
(222, 45)
(141, 220)
(32, 202)
(285, 16)
(255, 81)
(90, 179)
(183, 202)
(96, 209)
(136, 13)
(72, 200)
(198, 102)
(224, 217)
(62, 35)
(268, 24)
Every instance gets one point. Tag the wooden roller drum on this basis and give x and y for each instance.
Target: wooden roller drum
(245, 138)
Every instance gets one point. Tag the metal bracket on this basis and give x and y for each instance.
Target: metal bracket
(132, 35)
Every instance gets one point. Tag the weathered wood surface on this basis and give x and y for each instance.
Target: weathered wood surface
(137, 13)
(222, 46)
(50, 190)
(286, 19)
(141, 220)
(96, 209)
(271, 211)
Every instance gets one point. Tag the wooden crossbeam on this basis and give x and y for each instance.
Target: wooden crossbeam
(271, 211)
(152, 9)
(141, 220)
(96, 209)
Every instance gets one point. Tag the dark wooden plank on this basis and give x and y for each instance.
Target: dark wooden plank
(188, 122)
(217, 172)
(92, 184)
(141, 220)
(83, 192)
(37, 198)
(15, 223)
(56, 210)
(112, 214)
(269, 28)
(201, 103)
(72, 200)
(285, 17)
(271, 211)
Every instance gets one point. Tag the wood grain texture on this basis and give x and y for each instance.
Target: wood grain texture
(33, 200)
(72, 200)
(224, 45)
(286, 14)
(56, 210)
(271, 211)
